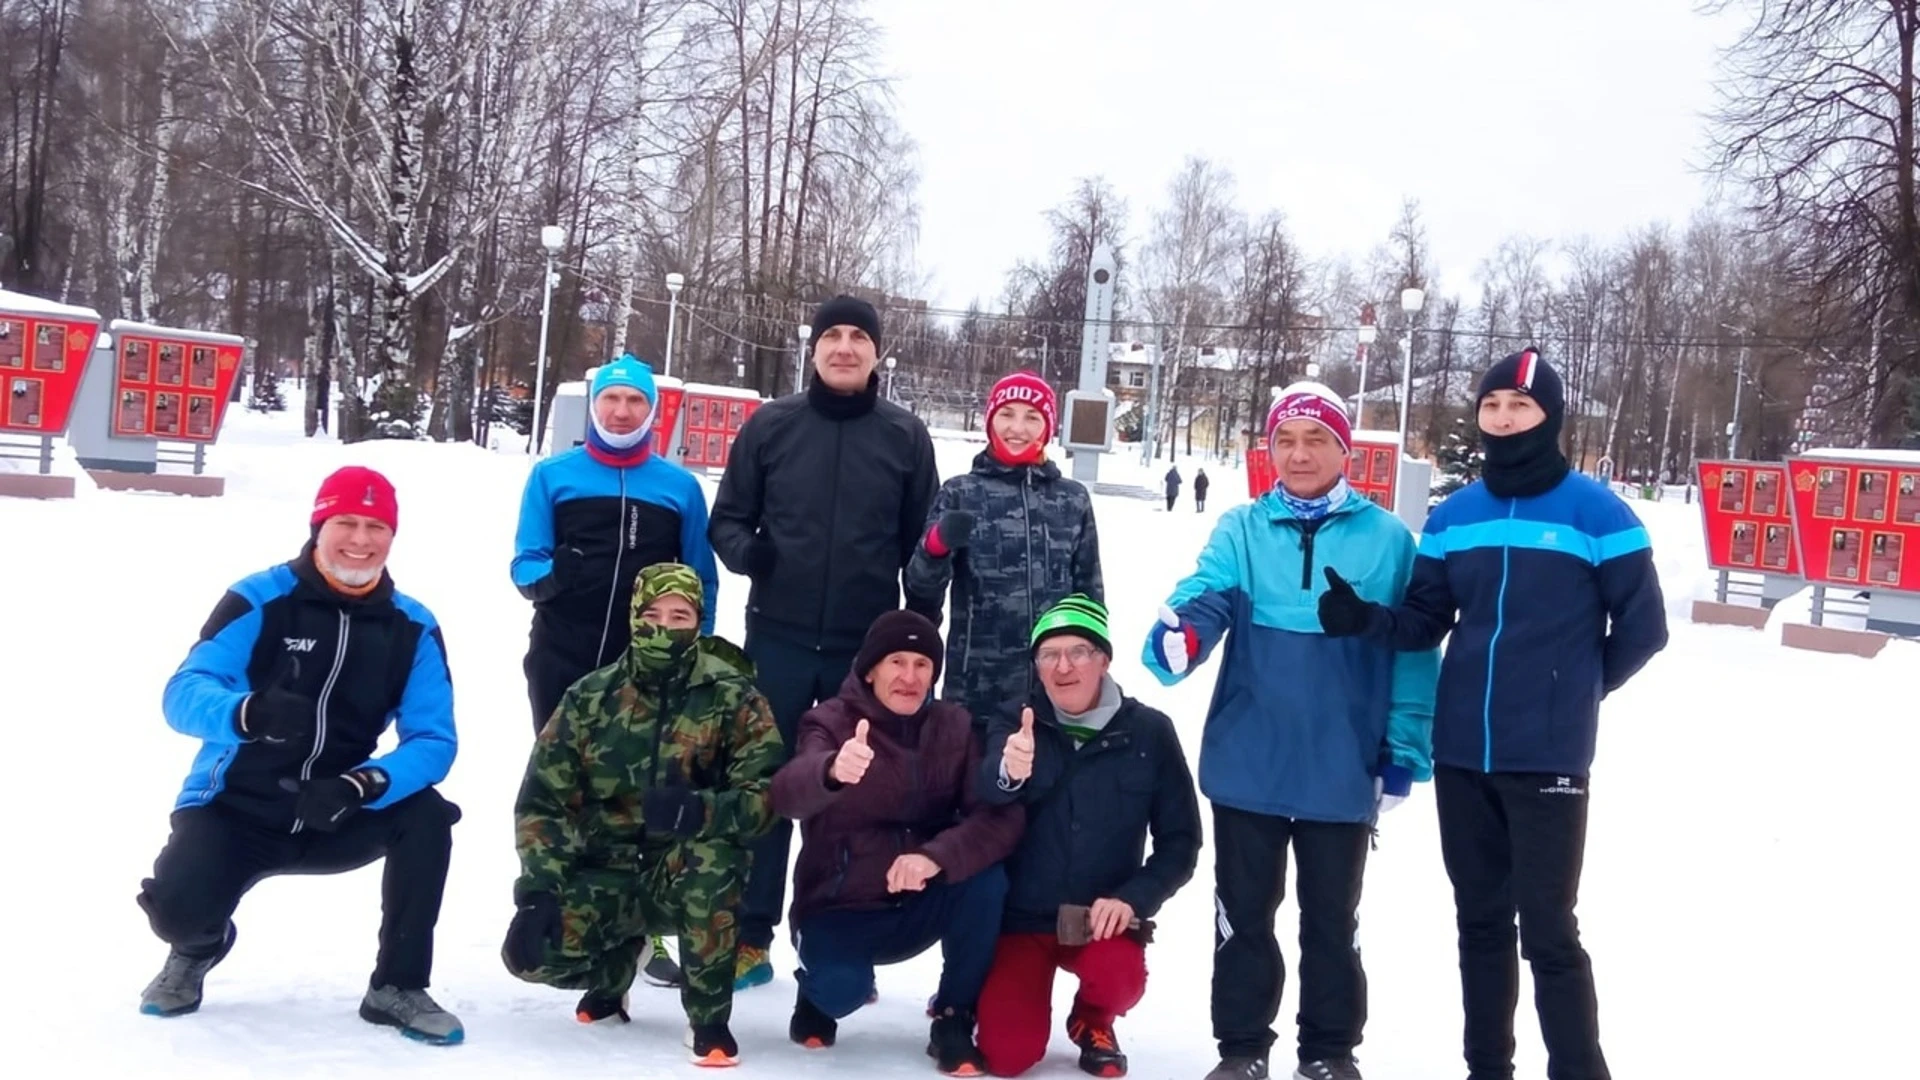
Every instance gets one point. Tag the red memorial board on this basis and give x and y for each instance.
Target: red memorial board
(43, 352)
(713, 418)
(1747, 517)
(170, 383)
(1857, 519)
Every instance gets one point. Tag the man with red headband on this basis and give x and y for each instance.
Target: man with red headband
(1011, 539)
(297, 674)
(1308, 739)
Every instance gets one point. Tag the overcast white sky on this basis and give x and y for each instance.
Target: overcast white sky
(1549, 117)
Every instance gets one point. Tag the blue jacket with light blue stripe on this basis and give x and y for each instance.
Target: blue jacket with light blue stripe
(1301, 723)
(588, 527)
(364, 662)
(1553, 603)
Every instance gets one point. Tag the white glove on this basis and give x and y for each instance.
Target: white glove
(1383, 802)
(1173, 642)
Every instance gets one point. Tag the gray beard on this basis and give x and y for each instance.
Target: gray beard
(353, 579)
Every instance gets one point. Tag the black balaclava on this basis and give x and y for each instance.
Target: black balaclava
(1529, 463)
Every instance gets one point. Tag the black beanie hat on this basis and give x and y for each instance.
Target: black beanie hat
(846, 310)
(899, 631)
(1531, 375)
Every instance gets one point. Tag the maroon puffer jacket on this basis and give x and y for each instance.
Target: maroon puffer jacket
(916, 798)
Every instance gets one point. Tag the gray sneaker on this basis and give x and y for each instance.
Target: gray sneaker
(1239, 1068)
(1330, 1069)
(657, 966)
(176, 990)
(414, 1013)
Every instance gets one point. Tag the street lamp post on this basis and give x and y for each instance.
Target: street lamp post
(1739, 382)
(554, 239)
(1411, 301)
(891, 362)
(1368, 334)
(674, 282)
(800, 356)
(1044, 344)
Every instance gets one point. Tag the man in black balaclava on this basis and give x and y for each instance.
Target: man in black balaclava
(1546, 581)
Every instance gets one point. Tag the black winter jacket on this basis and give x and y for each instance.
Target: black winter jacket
(839, 487)
(1089, 812)
(1033, 543)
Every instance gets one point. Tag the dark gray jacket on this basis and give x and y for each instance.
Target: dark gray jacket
(1033, 544)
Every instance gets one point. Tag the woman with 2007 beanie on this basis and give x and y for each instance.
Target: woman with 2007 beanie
(1009, 539)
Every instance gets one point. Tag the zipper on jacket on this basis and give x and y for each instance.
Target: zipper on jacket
(613, 587)
(1499, 624)
(1026, 522)
(833, 519)
(1307, 529)
(320, 707)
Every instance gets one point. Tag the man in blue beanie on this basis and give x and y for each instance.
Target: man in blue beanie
(592, 518)
(1545, 580)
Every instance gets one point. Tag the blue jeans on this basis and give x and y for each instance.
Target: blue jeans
(839, 949)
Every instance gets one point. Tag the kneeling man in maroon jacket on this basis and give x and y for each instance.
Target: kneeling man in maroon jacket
(896, 850)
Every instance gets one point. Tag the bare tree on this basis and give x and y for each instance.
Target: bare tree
(1184, 272)
(1818, 121)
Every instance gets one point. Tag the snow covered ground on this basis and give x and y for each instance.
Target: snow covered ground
(1751, 823)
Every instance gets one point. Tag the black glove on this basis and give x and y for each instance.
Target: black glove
(954, 529)
(760, 556)
(676, 810)
(1342, 612)
(275, 716)
(535, 929)
(326, 802)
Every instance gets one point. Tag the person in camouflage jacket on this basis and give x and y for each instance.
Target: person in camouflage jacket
(642, 795)
(1011, 538)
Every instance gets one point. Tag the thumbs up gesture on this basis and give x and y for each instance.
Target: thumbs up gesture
(1174, 643)
(854, 756)
(1342, 612)
(1017, 759)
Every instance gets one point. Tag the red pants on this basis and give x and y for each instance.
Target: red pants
(1016, 1007)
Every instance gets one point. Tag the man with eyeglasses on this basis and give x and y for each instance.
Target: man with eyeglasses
(1097, 772)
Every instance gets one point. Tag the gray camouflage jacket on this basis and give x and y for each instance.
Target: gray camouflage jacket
(1033, 544)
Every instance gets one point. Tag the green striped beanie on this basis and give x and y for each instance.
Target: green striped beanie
(1077, 614)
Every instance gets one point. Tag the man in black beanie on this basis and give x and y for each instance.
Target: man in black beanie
(898, 852)
(1546, 581)
(824, 498)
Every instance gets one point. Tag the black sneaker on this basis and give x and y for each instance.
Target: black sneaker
(1099, 1051)
(810, 1027)
(1328, 1069)
(1239, 1068)
(598, 1005)
(950, 1043)
(712, 1045)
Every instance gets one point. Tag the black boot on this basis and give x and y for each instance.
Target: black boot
(712, 1045)
(598, 1005)
(810, 1027)
(1099, 1051)
(950, 1043)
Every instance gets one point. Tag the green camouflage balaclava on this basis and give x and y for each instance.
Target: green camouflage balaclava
(656, 648)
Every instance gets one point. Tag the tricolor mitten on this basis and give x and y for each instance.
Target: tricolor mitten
(1176, 644)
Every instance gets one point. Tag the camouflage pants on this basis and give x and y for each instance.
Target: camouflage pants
(691, 890)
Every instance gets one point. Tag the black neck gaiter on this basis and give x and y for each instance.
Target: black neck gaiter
(1528, 463)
